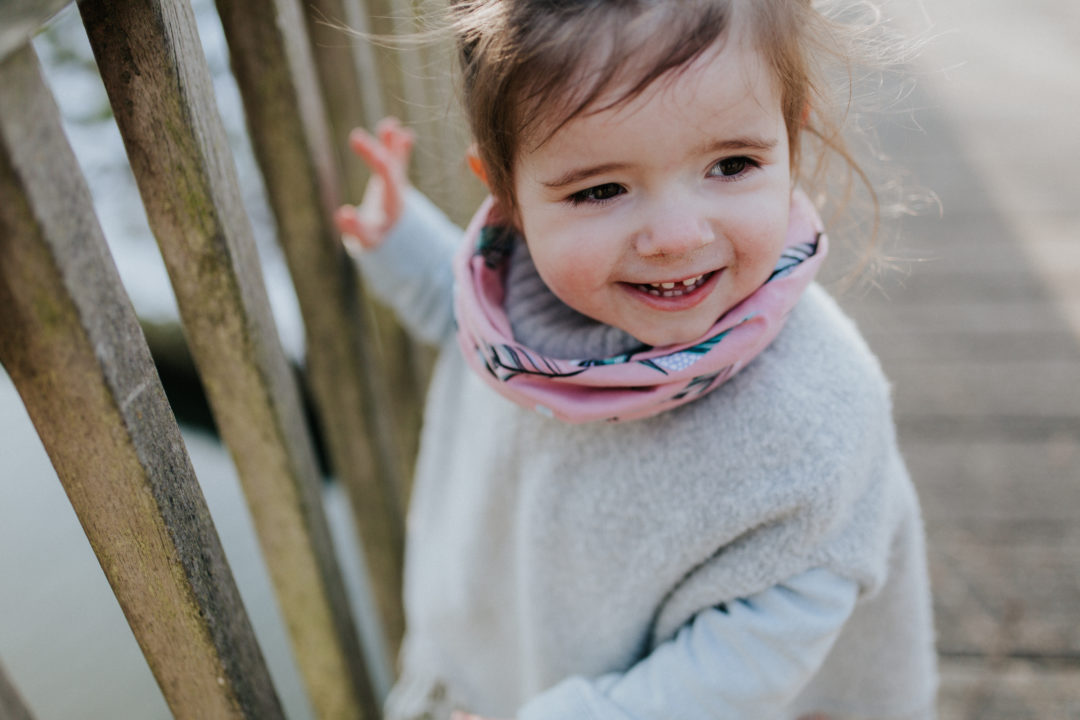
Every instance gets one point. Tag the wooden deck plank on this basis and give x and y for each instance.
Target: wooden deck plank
(961, 344)
(877, 316)
(968, 481)
(974, 389)
(1001, 518)
(978, 689)
(1001, 588)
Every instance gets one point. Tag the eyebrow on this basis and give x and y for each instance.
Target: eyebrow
(577, 175)
(739, 143)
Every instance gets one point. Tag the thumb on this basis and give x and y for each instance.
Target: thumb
(356, 235)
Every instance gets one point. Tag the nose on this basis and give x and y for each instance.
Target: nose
(674, 228)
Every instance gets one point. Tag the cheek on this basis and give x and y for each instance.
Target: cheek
(762, 242)
(565, 267)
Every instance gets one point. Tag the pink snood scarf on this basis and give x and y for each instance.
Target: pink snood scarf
(630, 385)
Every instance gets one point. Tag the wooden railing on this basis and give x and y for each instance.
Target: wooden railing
(71, 342)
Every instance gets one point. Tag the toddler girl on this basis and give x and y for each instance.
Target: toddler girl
(658, 475)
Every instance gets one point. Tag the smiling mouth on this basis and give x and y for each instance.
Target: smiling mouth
(676, 288)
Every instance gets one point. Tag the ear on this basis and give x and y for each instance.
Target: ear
(477, 165)
(805, 116)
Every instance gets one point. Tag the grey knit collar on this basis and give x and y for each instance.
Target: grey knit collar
(545, 323)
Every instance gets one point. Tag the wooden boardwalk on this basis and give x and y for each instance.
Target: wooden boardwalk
(982, 341)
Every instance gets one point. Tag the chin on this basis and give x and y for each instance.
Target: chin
(672, 337)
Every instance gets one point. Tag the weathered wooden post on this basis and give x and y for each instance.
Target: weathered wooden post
(154, 71)
(354, 93)
(272, 61)
(71, 343)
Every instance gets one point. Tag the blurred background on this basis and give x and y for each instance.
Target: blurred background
(980, 334)
(977, 324)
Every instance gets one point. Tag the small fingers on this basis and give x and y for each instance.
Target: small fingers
(355, 234)
(396, 138)
(370, 149)
(387, 162)
(360, 140)
(401, 145)
(386, 127)
(386, 152)
(389, 130)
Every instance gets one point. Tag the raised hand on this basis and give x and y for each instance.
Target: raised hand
(366, 225)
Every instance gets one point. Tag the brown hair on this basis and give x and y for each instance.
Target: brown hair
(530, 66)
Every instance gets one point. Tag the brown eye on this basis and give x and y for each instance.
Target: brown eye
(599, 193)
(729, 167)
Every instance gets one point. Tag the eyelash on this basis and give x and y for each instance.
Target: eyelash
(747, 165)
(583, 197)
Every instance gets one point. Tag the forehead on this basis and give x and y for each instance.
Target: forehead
(620, 70)
(731, 76)
(728, 92)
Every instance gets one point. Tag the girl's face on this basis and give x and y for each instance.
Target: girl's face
(659, 215)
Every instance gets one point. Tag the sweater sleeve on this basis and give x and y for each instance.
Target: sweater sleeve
(412, 271)
(747, 659)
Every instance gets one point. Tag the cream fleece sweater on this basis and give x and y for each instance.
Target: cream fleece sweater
(543, 557)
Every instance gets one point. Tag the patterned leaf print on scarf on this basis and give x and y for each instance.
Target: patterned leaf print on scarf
(792, 256)
(505, 361)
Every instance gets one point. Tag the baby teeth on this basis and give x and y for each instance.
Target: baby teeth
(673, 289)
(689, 282)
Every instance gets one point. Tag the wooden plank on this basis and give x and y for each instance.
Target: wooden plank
(443, 125)
(20, 20)
(12, 706)
(347, 75)
(1007, 585)
(917, 345)
(385, 20)
(160, 89)
(405, 76)
(1001, 520)
(876, 316)
(73, 348)
(983, 389)
(966, 482)
(272, 62)
(1002, 688)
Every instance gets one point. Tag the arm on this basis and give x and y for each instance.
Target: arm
(746, 660)
(401, 242)
(412, 271)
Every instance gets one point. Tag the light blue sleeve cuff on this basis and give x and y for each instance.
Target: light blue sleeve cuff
(412, 270)
(748, 659)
